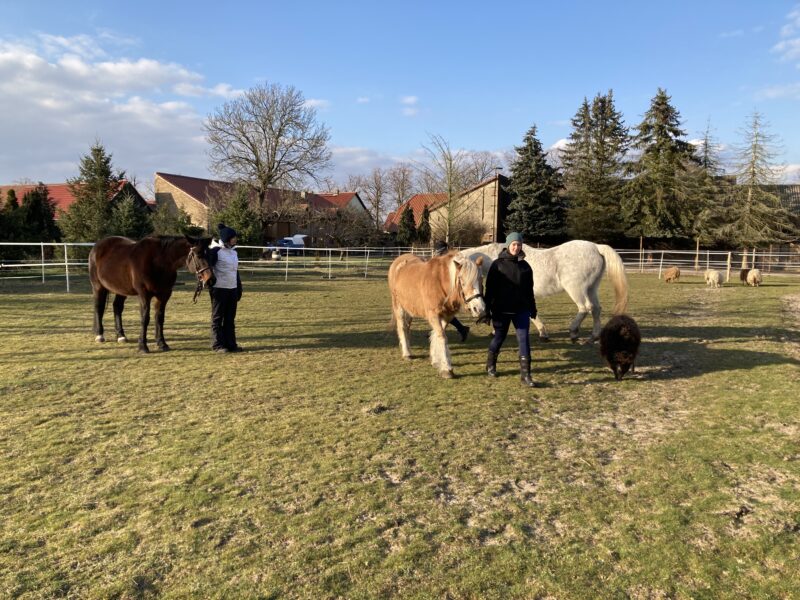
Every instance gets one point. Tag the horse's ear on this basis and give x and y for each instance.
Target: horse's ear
(459, 260)
(479, 261)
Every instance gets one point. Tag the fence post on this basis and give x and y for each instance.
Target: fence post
(708, 260)
(697, 256)
(753, 262)
(660, 264)
(366, 263)
(286, 276)
(66, 266)
(42, 262)
(641, 254)
(728, 273)
(330, 261)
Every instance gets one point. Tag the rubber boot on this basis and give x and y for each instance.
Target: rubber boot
(525, 371)
(491, 364)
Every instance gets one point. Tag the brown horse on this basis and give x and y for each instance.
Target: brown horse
(434, 290)
(147, 269)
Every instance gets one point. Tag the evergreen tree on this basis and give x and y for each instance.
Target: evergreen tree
(38, 216)
(754, 214)
(11, 201)
(240, 215)
(129, 219)
(167, 221)
(657, 203)
(406, 229)
(89, 217)
(593, 165)
(424, 230)
(537, 209)
(705, 191)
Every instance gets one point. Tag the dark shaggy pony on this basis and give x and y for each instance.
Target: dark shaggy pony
(619, 344)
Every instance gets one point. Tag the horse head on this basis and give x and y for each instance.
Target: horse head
(470, 282)
(197, 261)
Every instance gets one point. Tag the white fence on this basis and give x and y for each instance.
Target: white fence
(47, 261)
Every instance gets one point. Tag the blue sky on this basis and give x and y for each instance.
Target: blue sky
(141, 76)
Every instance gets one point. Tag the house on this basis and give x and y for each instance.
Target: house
(417, 203)
(292, 212)
(789, 196)
(62, 197)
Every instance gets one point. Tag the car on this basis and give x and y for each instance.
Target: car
(287, 245)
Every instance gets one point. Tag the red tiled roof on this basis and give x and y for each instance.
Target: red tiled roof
(59, 193)
(341, 199)
(417, 202)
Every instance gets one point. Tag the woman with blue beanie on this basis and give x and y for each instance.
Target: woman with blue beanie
(509, 299)
(226, 291)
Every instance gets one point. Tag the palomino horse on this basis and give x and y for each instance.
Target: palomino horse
(147, 269)
(434, 290)
(575, 267)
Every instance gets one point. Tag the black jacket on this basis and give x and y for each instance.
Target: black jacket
(509, 285)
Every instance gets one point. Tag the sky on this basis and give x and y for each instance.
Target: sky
(141, 77)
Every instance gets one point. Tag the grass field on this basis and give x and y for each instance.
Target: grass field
(318, 464)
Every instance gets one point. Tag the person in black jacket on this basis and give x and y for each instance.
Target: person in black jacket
(440, 248)
(509, 299)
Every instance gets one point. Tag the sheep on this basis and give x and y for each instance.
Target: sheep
(713, 278)
(754, 278)
(672, 274)
(619, 344)
(743, 276)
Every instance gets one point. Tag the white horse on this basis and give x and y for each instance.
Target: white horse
(574, 267)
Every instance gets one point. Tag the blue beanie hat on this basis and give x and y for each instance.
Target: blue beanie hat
(226, 234)
(513, 237)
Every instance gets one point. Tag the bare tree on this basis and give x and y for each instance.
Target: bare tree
(400, 183)
(373, 189)
(479, 166)
(446, 172)
(268, 137)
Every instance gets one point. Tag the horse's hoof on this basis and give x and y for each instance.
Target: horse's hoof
(574, 340)
(408, 358)
(144, 349)
(122, 340)
(164, 348)
(544, 338)
(99, 338)
(447, 374)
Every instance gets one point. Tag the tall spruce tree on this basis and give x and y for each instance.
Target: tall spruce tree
(593, 166)
(406, 229)
(537, 209)
(657, 203)
(754, 214)
(89, 217)
(129, 219)
(424, 229)
(38, 216)
(167, 221)
(705, 190)
(240, 214)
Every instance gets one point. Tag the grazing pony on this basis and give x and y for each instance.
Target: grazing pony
(713, 278)
(147, 269)
(754, 278)
(575, 267)
(434, 290)
(672, 274)
(743, 276)
(619, 344)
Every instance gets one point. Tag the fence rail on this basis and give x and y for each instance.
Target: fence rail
(51, 260)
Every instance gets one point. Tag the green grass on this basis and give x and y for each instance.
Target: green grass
(320, 465)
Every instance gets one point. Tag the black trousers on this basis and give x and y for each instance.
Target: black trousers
(223, 316)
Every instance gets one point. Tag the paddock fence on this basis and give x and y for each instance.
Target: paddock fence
(46, 262)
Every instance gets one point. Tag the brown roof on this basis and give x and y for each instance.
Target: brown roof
(206, 190)
(340, 199)
(417, 203)
(59, 193)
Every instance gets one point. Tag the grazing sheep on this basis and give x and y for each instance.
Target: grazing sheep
(743, 276)
(754, 278)
(672, 274)
(619, 344)
(713, 278)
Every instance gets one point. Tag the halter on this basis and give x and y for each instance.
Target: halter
(463, 295)
(197, 271)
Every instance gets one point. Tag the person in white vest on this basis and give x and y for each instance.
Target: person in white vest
(226, 291)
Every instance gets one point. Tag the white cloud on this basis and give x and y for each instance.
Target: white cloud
(731, 34)
(410, 111)
(318, 103)
(793, 26)
(790, 173)
(788, 49)
(59, 94)
(409, 100)
(363, 99)
(790, 90)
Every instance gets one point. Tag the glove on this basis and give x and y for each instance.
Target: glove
(486, 319)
